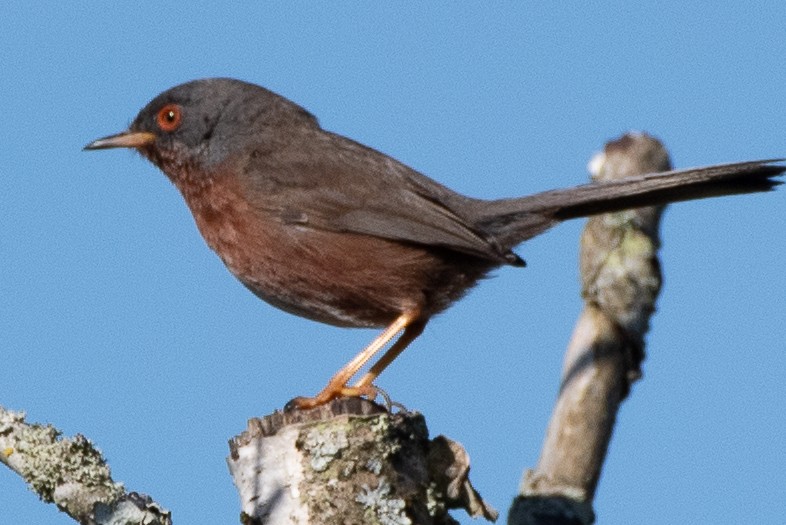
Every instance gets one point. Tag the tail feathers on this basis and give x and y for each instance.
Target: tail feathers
(513, 221)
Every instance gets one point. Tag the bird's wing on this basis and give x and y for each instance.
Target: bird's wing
(339, 185)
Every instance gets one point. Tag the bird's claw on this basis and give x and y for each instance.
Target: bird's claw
(370, 392)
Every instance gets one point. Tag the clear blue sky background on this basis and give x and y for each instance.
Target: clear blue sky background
(117, 322)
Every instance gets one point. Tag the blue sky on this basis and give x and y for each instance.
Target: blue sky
(119, 323)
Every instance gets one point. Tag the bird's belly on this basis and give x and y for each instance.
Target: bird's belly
(339, 278)
(322, 307)
(335, 278)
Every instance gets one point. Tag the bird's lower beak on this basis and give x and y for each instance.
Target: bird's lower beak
(126, 139)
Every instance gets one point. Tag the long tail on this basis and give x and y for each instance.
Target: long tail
(513, 221)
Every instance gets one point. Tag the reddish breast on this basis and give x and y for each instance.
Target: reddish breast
(225, 219)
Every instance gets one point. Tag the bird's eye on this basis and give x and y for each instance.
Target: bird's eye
(169, 117)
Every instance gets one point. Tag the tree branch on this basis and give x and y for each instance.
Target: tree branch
(621, 280)
(350, 462)
(71, 473)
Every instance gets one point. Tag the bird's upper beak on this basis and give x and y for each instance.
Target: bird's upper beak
(126, 139)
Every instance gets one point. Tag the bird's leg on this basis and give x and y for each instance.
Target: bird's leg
(337, 386)
(411, 332)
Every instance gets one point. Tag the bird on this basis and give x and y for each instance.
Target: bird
(328, 229)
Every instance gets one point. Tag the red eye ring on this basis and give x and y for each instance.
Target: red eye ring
(169, 117)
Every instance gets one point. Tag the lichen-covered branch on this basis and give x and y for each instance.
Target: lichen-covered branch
(71, 473)
(621, 280)
(350, 462)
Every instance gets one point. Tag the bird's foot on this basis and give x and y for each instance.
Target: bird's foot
(329, 393)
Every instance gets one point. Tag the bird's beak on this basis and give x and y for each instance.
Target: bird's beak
(126, 139)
